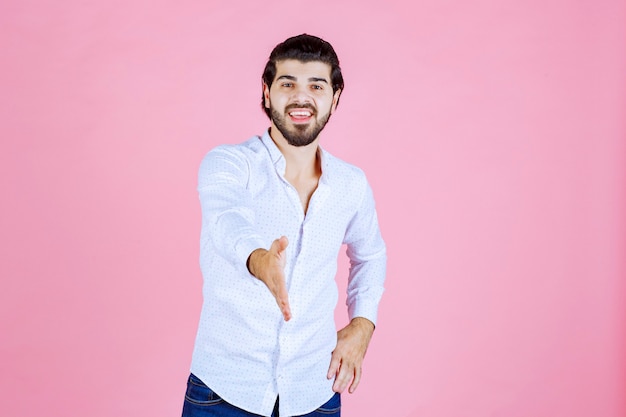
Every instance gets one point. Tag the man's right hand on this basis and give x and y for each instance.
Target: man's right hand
(269, 267)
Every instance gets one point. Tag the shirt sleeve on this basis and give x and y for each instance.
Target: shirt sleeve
(228, 219)
(368, 261)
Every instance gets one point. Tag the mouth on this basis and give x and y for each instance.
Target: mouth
(300, 115)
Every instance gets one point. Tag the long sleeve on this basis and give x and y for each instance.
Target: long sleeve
(227, 214)
(367, 254)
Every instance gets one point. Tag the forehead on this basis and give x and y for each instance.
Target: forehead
(303, 70)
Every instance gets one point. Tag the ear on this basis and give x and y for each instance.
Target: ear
(335, 101)
(266, 95)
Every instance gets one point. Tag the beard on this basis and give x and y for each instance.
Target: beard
(299, 134)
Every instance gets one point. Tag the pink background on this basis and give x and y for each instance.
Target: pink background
(493, 133)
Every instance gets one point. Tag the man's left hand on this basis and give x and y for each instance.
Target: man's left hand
(346, 360)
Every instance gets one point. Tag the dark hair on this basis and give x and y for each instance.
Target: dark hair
(304, 48)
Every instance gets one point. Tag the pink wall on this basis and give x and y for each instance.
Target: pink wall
(492, 132)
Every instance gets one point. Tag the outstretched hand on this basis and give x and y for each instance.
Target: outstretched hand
(269, 267)
(347, 358)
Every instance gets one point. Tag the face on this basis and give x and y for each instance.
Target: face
(301, 100)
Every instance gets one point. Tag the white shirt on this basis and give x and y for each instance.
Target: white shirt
(244, 350)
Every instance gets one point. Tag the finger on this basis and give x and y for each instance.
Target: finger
(356, 380)
(282, 298)
(335, 361)
(343, 378)
(285, 309)
(283, 242)
(279, 245)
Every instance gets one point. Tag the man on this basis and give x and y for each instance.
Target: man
(275, 212)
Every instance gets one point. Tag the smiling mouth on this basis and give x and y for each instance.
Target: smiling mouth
(300, 115)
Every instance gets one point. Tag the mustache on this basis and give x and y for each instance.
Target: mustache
(308, 106)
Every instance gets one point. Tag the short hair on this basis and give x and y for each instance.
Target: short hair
(303, 48)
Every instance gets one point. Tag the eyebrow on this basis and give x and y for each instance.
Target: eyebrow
(311, 79)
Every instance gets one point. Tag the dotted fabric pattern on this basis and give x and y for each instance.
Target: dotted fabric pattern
(244, 350)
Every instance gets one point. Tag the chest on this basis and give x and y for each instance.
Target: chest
(305, 190)
(318, 211)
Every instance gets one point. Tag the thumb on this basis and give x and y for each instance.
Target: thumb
(280, 244)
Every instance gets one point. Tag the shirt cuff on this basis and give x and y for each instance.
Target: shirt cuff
(244, 248)
(364, 308)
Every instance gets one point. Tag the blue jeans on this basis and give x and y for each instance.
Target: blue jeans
(201, 401)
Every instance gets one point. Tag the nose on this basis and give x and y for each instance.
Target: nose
(301, 94)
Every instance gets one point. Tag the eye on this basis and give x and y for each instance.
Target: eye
(317, 87)
(287, 85)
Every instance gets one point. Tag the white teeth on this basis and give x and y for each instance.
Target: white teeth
(300, 113)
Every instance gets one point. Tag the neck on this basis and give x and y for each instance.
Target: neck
(300, 160)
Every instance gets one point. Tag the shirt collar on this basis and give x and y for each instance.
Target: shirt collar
(279, 160)
(275, 154)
